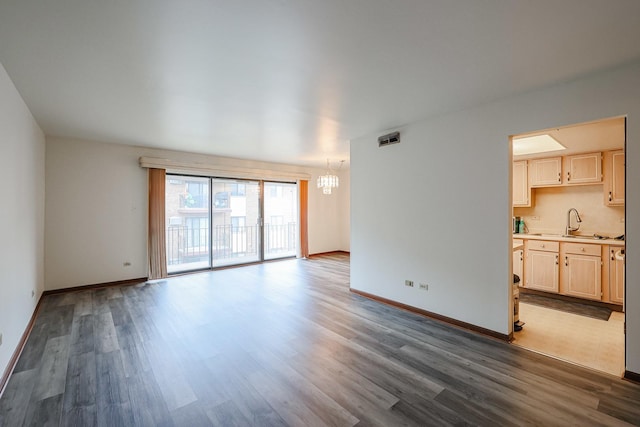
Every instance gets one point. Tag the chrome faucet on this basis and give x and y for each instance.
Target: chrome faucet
(569, 227)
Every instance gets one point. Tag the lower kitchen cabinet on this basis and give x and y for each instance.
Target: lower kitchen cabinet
(541, 265)
(518, 258)
(581, 270)
(616, 277)
(573, 269)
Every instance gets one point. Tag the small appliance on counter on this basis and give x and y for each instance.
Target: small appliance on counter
(518, 226)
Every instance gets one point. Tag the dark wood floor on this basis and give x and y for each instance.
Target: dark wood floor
(284, 343)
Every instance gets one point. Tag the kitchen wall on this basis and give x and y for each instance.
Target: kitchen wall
(96, 210)
(440, 210)
(549, 213)
(21, 216)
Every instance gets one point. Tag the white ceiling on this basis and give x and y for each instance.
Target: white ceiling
(292, 80)
(601, 135)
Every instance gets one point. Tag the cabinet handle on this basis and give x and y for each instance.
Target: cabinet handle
(559, 177)
(566, 261)
(542, 245)
(556, 259)
(613, 258)
(582, 249)
(568, 176)
(610, 197)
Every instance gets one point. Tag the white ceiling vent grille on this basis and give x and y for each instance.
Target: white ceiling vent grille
(392, 138)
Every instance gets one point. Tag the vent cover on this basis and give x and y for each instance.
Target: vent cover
(392, 138)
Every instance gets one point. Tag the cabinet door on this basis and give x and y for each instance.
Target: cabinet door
(518, 264)
(614, 178)
(582, 276)
(545, 172)
(521, 189)
(583, 168)
(616, 277)
(541, 271)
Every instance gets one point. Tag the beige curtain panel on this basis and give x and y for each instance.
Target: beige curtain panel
(157, 240)
(304, 233)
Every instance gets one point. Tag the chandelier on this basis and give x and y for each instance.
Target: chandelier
(328, 181)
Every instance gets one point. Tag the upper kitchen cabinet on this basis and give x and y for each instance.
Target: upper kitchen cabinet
(614, 178)
(545, 172)
(583, 169)
(521, 188)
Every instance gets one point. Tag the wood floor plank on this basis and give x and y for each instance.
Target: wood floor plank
(285, 344)
(106, 338)
(147, 403)
(52, 375)
(16, 397)
(82, 334)
(191, 415)
(81, 385)
(44, 413)
(284, 401)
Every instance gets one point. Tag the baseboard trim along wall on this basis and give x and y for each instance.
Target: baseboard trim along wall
(329, 253)
(435, 316)
(18, 351)
(96, 286)
(632, 376)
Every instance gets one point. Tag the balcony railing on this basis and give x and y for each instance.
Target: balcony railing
(188, 247)
(280, 240)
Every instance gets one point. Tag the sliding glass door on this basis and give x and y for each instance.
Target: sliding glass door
(187, 212)
(214, 222)
(236, 217)
(281, 235)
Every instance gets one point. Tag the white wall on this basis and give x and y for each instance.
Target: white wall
(96, 214)
(345, 210)
(21, 216)
(440, 210)
(96, 210)
(328, 215)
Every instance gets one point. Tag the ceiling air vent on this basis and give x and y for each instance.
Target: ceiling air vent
(392, 138)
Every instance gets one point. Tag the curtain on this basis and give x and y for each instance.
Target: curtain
(304, 233)
(157, 237)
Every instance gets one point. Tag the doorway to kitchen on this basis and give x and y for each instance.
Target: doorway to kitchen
(568, 237)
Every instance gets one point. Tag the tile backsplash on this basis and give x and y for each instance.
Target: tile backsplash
(549, 213)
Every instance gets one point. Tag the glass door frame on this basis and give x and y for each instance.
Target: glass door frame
(260, 223)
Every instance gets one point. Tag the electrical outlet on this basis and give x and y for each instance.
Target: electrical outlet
(424, 286)
(408, 283)
(534, 218)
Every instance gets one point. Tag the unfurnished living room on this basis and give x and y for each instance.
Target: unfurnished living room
(293, 213)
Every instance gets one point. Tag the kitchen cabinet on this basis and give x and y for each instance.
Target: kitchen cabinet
(541, 265)
(518, 260)
(521, 189)
(614, 172)
(581, 270)
(616, 276)
(583, 168)
(545, 172)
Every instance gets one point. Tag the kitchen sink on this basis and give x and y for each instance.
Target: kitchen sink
(571, 236)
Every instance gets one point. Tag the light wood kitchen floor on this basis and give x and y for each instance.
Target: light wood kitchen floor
(593, 343)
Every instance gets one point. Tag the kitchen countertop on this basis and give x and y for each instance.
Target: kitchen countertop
(559, 238)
